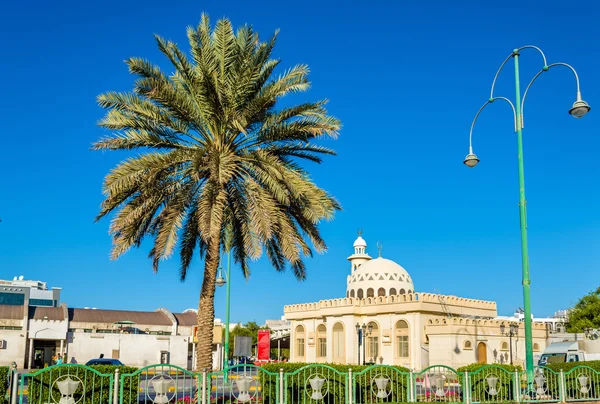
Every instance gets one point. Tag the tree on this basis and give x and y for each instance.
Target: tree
(217, 159)
(586, 313)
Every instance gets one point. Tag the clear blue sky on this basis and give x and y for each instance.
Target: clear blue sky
(405, 78)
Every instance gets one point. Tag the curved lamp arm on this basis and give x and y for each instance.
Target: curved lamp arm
(515, 52)
(545, 69)
(479, 112)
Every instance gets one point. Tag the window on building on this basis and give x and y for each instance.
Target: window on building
(42, 302)
(402, 346)
(339, 346)
(352, 293)
(300, 341)
(321, 341)
(504, 346)
(10, 327)
(381, 292)
(12, 299)
(359, 294)
(392, 292)
(370, 292)
(373, 343)
(536, 347)
(402, 291)
(467, 345)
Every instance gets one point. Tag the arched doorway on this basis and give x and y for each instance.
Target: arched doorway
(482, 352)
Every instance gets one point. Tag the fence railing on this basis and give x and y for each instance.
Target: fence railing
(310, 384)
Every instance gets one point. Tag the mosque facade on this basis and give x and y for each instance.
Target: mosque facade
(383, 319)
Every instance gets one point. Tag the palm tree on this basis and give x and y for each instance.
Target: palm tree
(217, 160)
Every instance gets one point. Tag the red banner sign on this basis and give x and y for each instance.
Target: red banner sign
(264, 345)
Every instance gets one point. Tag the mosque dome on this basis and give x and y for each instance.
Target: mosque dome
(360, 242)
(379, 277)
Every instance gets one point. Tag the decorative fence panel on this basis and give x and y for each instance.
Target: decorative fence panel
(158, 384)
(316, 384)
(380, 383)
(582, 383)
(66, 384)
(545, 387)
(243, 384)
(491, 384)
(438, 383)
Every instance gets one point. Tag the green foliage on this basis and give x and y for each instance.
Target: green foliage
(4, 384)
(476, 366)
(94, 388)
(586, 313)
(567, 366)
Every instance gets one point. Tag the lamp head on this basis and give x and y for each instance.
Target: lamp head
(220, 281)
(370, 328)
(357, 327)
(471, 160)
(502, 328)
(579, 109)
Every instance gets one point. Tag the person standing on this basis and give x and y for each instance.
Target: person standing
(59, 359)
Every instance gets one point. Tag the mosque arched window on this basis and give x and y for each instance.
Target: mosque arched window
(359, 294)
(352, 293)
(402, 340)
(381, 292)
(373, 343)
(370, 292)
(300, 342)
(339, 346)
(392, 292)
(402, 291)
(321, 342)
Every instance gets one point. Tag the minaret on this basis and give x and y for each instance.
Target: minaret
(360, 253)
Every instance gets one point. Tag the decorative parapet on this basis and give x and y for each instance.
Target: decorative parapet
(478, 322)
(452, 301)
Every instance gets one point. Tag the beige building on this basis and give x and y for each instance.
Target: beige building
(400, 326)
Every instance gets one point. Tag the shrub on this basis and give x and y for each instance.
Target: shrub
(94, 387)
(4, 384)
(573, 370)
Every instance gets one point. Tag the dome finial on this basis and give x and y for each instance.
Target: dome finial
(359, 232)
(379, 247)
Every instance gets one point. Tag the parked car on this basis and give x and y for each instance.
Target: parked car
(104, 361)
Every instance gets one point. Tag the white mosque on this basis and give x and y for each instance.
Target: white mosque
(383, 319)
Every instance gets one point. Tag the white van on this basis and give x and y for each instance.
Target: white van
(572, 351)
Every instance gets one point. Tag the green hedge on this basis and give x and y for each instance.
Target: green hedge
(93, 389)
(4, 387)
(336, 387)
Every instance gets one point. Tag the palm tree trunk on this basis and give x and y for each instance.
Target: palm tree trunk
(206, 307)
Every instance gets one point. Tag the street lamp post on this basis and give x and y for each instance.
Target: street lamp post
(220, 281)
(359, 335)
(513, 330)
(578, 110)
(366, 331)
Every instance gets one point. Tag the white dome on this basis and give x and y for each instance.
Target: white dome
(378, 277)
(360, 242)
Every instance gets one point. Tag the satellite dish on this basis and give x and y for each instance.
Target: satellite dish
(21, 277)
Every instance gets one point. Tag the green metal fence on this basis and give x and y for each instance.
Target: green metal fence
(380, 384)
(159, 384)
(316, 384)
(491, 384)
(311, 384)
(66, 384)
(242, 384)
(582, 383)
(438, 383)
